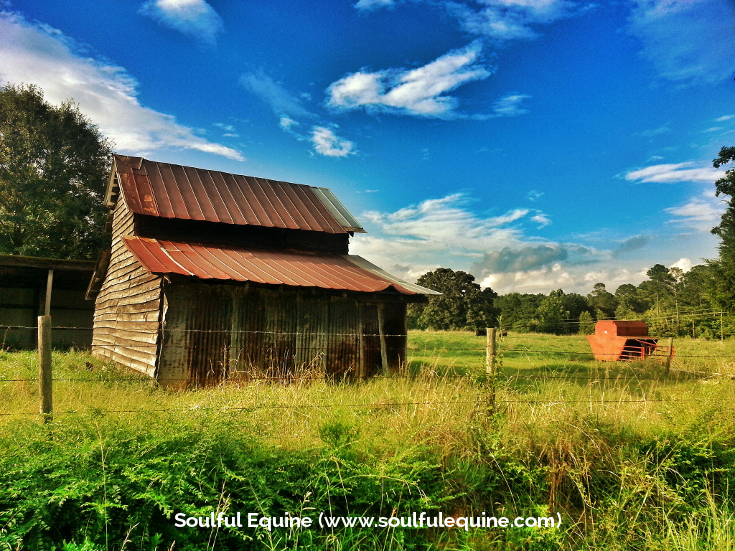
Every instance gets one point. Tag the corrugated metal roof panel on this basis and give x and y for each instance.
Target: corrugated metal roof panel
(373, 269)
(297, 269)
(338, 210)
(173, 191)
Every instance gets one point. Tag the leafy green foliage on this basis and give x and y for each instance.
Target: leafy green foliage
(463, 303)
(53, 172)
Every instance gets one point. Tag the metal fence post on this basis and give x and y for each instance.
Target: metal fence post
(44, 367)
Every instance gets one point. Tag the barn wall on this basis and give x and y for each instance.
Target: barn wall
(216, 332)
(127, 308)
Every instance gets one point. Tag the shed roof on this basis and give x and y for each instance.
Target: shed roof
(299, 269)
(31, 272)
(172, 191)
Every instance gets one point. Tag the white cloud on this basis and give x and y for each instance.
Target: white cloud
(655, 132)
(420, 92)
(725, 118)
(684, 264)
(507, 106)
(687, 41)
(369, 5)
(107, 94)
(193, 17)
(534, 195)
(541, 219)
(504, 20)
(274, 94)
(287, 123)
(327, 143)
(700, 214)
(679, 172)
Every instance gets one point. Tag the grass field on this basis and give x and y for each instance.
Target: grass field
(629, 456)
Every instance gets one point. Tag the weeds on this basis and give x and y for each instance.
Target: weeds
(629, 457)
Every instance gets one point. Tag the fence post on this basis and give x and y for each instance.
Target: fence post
(44, 367)
(490, 368)
(669, 354)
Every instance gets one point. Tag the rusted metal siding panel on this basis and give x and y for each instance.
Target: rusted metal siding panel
(195, 346)
(215, 332)
(174, 191)
(343, 350)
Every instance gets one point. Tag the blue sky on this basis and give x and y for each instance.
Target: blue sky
(536, 144)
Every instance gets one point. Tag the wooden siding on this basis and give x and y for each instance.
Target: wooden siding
(127, 308)
(215, 332)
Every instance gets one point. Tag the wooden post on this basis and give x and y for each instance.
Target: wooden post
(362, 375)
(49, 284)
(381, 330)
(722, 330)
(669, 354)
(44, 367)
(490, 368)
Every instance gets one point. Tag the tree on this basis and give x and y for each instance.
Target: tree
(586, 324)
(54, 165)
(463, 303)
(602, 301)
(723, 284)
(551, 314)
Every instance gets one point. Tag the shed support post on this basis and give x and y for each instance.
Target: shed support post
(381, 330)
(362, 373)
(44, 367)
(49, 285)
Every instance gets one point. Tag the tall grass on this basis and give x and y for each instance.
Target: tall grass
(632, 458)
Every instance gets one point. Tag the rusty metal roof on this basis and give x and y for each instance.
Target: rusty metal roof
(298, 269)
(173, 191)
(380, 272)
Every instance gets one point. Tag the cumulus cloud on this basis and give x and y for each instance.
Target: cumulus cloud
(274, 94)
(519, 260)
(327, 143)
(37, 54)
(679, 172)
(632, 244)
(193, 17)
(504, 20)
(687, 41)
(419, 92)
(684, 264)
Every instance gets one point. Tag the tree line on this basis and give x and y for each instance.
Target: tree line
(671, 301)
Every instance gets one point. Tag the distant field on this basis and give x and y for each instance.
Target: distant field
(630, 457)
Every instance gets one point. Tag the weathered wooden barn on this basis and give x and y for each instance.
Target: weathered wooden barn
(213, 276)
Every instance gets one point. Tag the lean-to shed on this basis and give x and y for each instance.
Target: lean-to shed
(213, 276)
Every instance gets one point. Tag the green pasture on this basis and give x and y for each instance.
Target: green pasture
(630, 456)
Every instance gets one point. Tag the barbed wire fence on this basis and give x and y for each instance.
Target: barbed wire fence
(492, 351)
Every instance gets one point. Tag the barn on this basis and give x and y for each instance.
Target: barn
(214, 276)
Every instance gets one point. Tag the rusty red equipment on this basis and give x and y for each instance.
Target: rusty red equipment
(616, 340)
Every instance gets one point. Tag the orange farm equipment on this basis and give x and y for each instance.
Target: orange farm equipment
(624, 341)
